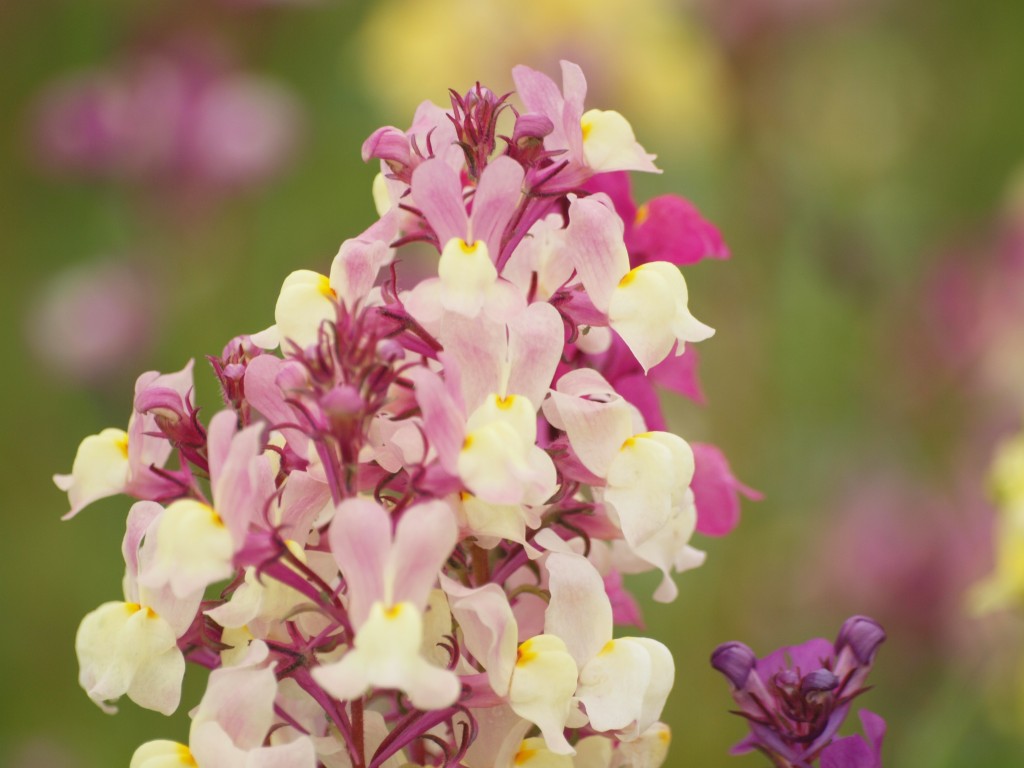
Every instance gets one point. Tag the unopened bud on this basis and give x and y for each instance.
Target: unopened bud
(818, 682)
(163, 403)
(343, 402)
(734, 660)
(531, 127)
(863, 636)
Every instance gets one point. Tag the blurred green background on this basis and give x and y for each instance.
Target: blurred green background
(852, 153)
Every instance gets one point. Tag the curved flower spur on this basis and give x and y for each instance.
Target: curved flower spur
(403, 539)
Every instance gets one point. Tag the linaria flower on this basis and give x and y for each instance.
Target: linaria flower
(413, 514)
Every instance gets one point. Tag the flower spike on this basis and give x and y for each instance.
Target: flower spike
(403, 539)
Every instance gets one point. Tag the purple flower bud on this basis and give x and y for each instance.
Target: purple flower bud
(734, 660)
(820, 681)
(787, 680)
(863, 636)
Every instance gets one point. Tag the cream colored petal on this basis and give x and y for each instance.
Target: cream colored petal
(100, 469)
(305, 302)
(193, 549)
(162, 754)
(543, 684)
(609, 143)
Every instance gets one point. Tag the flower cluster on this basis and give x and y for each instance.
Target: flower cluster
(421, 498)
(796, 698)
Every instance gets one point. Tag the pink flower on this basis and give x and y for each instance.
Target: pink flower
(176, 115)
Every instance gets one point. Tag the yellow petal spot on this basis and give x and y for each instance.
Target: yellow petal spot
(122, 444)
(628, 443)
(185, 756)
(296, 549)
(608, 648)
(132, 607)
(467, 443)
(150, 613)
(324, 287)
(628, 277)
(525, 654)
(586, 125)
(393, 612)
(641, 214)
(665, 735)
(468, 248)
(524, 754)
(505, 403)
(214, 516)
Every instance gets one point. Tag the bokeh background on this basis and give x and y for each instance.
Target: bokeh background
(861, 157)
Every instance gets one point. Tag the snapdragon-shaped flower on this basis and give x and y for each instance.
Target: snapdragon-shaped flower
(595, 141)
(389, 578)
(646, 305)
(131, 647)
(116, 461)
(646, 474)
(623, 682)
(196, 542)
(308, 299)
(232, 723)
(796, 698)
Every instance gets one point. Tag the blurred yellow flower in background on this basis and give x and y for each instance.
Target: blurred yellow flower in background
(648, 57)
(1005, 586)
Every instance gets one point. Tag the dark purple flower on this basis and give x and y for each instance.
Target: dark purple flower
(734, 660)
(796, 698)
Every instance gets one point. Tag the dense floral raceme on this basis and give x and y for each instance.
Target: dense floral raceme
(402, 541)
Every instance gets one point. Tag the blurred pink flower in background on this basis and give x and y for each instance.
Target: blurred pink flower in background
(975, 319)
(970, 330)
(91, 322)
(905, 553)
(908, 548)
(41, 752)
(740, 21)
(179, 114)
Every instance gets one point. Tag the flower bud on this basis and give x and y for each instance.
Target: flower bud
(819, 682)
(163, 403)
(734, 660)
(863, 636)
(388, 144)
(531, 127)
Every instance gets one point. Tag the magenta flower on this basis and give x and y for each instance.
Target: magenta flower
(716, 492)
(796, 698)
(667, 228)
